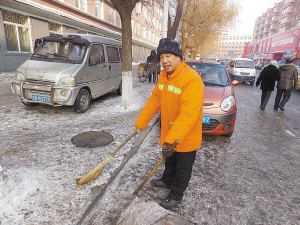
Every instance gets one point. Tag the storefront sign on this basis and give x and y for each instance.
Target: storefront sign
(288, 54)
(256, 57)
(283, 42)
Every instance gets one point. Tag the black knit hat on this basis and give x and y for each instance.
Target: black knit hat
(168, 45)
(289, 60)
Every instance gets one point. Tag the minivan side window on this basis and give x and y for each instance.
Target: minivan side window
(112, 54)
(97, 50)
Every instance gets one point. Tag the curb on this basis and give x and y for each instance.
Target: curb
(138, 141)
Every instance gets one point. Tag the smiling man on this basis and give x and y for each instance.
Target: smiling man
(178, 94)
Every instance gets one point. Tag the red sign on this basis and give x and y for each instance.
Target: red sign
(287, 40)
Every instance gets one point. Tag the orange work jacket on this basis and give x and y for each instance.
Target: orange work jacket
(179, 97)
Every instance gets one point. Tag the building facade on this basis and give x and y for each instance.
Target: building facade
(231, 46)
(23, 21)
(276, 33)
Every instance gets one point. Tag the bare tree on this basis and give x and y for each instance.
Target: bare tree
(125, 8)
(202, 21)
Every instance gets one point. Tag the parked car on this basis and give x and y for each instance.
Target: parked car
(259, 66)
(70, 69)
(242, 69)
(219, 107)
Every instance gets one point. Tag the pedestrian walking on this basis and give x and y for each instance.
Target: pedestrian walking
(153, 66)
(288, 81)
(266, 80)
(178, 95)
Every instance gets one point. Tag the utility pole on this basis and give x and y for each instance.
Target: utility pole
(165, 22)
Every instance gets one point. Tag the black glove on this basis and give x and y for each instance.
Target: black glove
(167, 150)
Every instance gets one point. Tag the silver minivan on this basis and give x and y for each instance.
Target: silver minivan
(70, 69)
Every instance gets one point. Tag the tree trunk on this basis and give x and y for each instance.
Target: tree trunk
(126, 98)
(172, 30)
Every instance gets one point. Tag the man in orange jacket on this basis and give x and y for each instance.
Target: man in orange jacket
(178, 94)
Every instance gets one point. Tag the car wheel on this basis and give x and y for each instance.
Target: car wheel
(251, 82)
(83, 101)
(119, 91)
(30, 104)
(229, 134)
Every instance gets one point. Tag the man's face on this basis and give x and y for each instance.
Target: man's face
(169, 62)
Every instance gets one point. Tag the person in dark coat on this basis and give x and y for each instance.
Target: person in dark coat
(266, 80)
(37, 43)
(288, 81)
(153, 65)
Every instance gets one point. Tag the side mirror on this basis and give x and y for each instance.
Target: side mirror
(235, 83)
(94, 60)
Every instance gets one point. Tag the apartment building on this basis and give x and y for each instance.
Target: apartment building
(22, 21)
(276, 33)
(231, 46)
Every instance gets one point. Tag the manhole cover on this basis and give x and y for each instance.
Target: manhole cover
(92, 139)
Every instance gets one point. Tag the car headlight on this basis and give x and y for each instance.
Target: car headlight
(67, 81)
(20, 76)
(227, 103)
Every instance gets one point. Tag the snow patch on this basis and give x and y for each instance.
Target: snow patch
(290, 133)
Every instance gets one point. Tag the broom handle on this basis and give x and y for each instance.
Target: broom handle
(112, 154)
(156, 166)
(151, 173)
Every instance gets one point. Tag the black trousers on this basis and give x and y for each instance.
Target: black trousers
(178, 171)
(286, 96)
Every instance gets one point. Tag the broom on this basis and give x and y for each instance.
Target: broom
(98, 169)
(153, 170)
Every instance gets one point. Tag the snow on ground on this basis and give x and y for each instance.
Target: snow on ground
(40, 165)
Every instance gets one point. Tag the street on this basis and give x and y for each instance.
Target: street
(250, 178)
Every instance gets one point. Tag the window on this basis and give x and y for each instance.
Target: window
(81, 4)
(16, 29)
(112, 15)
(137, 29)
(142, 52)
(99, 9)
(145, 12)
(143, 32)
(138, 7)
(112, 54)
(97, 50)
(149, 35)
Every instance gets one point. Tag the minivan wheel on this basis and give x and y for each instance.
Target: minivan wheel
(251, 82)
(119, 91)
(83, 101)
(30, 104)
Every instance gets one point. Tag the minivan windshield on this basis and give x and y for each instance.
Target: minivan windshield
(212, 74)
(63, 51)
(244, 64)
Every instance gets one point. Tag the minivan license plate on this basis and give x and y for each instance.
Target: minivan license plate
(206, 119)
(41, 98)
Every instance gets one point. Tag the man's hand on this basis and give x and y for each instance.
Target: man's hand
(168, 149)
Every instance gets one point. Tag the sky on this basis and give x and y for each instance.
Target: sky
(248, 12)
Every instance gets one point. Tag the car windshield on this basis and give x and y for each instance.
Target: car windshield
(63, 51)
(212, 74)
(244, 64)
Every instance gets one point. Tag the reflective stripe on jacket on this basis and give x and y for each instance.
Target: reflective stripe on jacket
(180, 99)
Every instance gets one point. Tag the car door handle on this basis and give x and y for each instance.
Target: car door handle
(109, 67)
